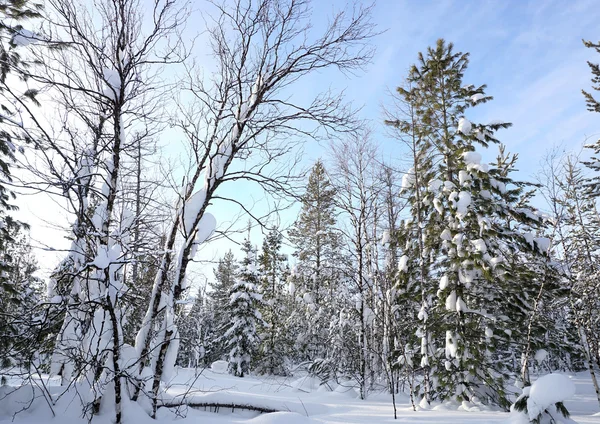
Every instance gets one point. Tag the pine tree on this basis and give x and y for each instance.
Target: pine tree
(317, 271)
(592, 103)
(245, 318)
(275, 339)
(414, 348)
(475, 220)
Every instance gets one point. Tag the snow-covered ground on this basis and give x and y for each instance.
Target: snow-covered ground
(300, 401)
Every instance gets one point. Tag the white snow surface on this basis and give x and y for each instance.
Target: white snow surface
(219, 367)
(299, 400)
(548, 390)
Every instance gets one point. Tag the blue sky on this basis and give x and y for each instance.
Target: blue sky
(529, 53)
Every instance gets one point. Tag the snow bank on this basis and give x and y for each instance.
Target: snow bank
(219, 367)
(281, 418)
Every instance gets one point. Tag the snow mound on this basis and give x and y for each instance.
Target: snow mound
(306, 384)
(546, 391)
(219, 367)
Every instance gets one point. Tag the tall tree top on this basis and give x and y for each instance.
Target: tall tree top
(593, 104)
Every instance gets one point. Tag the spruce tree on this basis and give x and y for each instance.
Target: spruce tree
(225, 278)
(275, 339)
(20, 332)
(13, 38)
(196, 332)
(244, 315)
(317, 271)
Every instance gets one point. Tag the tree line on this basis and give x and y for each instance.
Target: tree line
(442, 280)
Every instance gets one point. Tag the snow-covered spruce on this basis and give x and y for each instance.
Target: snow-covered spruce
(543, 401)
(244, 315)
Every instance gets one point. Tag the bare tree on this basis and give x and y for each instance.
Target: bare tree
(244, 123)
(358, 188)
(106, 87)
(575, 217)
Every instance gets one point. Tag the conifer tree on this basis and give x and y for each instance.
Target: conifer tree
(225, 278)
(196, 332)
(317, 273)
(13, 38)
(244, 315)
(476, 218)
(20, 334)
(275, 339)
(593, 105)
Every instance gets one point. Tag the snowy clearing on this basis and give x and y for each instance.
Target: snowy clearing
(297, 400)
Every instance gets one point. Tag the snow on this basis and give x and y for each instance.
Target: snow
(446, 235)
(385, 237)
(308, 299)
(437, 204)
(191, 209)
(529, 238)
(541, 355)
(311, 402)
(448, 185)
(463, 177)
(106, 256)
(471, 158)
(403, 264)
(479, 245)
(543, 243)
(476, 97)
(451, 302)
(206, 227)
(444, 282)
(219, 367)
(462, 204)
(461, 306)
(498, 185)
(546, 391)
(408, 179)
(464, 126)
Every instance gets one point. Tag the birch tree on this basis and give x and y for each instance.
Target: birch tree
(241, 123)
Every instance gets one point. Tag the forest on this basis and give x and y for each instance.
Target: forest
(435, 284)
